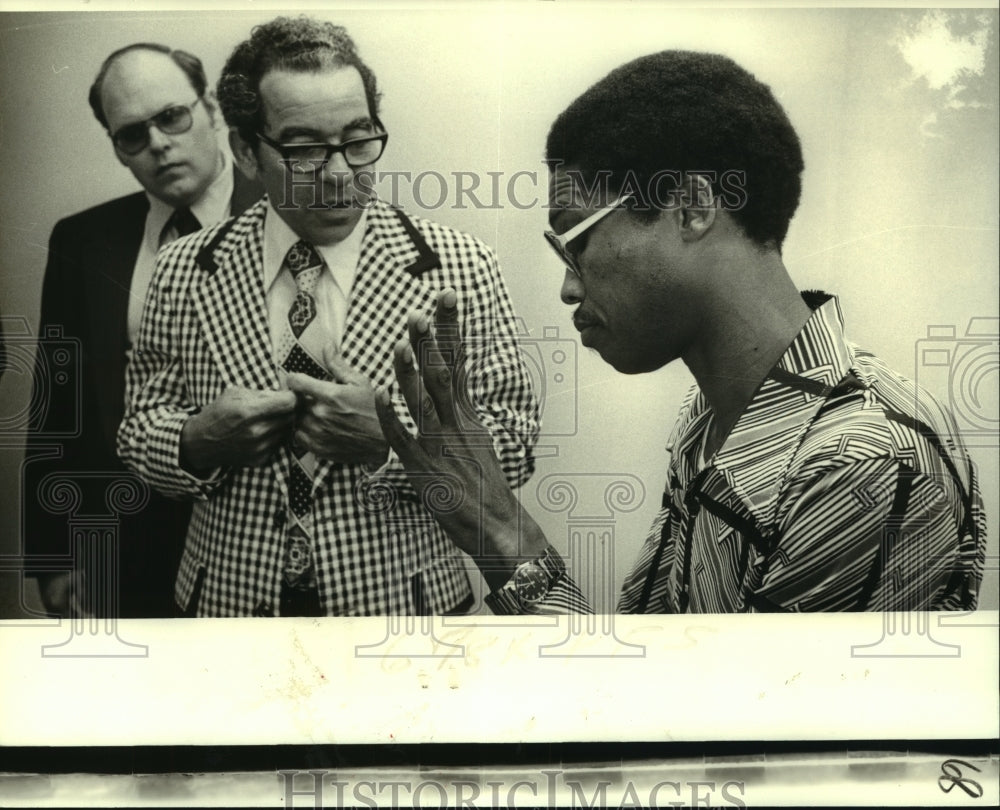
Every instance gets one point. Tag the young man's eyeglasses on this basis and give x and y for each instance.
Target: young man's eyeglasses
(131, 139)
(309, 158)
(560, 242)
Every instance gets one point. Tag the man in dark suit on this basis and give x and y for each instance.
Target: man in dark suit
(155, 105)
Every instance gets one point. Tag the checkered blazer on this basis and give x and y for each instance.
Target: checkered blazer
(205, 327)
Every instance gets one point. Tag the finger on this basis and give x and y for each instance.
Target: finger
(312, 425)
(446, 315)
(417, 403)
(302, 440)
(419, 330)
(267, 446)
(399, 438)
(438, 359)
(448, 332)
(273, 426)
(273, 403)
(422, 339)
(342, 371)
(451, 346)
(308, 386)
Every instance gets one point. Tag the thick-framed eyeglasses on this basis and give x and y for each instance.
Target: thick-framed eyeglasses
(131, 139)
(310, 158)
(560, 241)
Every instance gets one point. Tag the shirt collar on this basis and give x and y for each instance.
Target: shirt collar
(340, 258)
(214, 205)
(211, 207)
(761, 444)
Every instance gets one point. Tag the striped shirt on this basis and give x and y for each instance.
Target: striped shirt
(842, 487)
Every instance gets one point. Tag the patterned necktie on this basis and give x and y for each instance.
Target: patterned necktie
(301, 350)
(181, 222)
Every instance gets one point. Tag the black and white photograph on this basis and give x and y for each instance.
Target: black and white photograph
(377, 376)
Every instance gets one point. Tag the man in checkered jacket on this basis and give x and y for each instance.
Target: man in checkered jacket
(251, 386)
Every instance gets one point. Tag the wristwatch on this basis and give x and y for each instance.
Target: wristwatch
(528, 585)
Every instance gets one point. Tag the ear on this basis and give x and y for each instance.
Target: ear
(243, 154)
(118, 155)
(212, 107)
(698, 209)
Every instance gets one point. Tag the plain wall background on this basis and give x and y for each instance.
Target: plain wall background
(896, 110)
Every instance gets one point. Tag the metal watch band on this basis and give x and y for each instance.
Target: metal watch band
(503, 602)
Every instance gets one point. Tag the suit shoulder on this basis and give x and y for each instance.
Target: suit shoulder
(444, 238)
(105, 214)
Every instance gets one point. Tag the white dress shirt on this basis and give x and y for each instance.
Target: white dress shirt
(333, 289)
(212, 207)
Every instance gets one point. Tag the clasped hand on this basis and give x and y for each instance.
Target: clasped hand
(243, 427)
(337, 420)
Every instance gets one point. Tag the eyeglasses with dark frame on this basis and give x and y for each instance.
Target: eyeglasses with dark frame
(560, 241)
(131, 139)
(310, 158)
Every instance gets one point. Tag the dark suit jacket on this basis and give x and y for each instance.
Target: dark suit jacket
(73, 484)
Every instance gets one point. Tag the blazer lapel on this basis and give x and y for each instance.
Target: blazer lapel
(388, 285)
(231, 308)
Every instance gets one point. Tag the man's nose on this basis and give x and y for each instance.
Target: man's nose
(572, 291)
(338, 169)
(158, 140)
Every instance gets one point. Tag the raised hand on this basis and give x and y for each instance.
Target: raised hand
(452, 448)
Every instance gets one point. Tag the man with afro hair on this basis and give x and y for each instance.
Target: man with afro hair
(803, 474)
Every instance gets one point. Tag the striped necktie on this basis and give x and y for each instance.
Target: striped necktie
(301, 350)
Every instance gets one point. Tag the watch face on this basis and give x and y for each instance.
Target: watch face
(531, 582)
